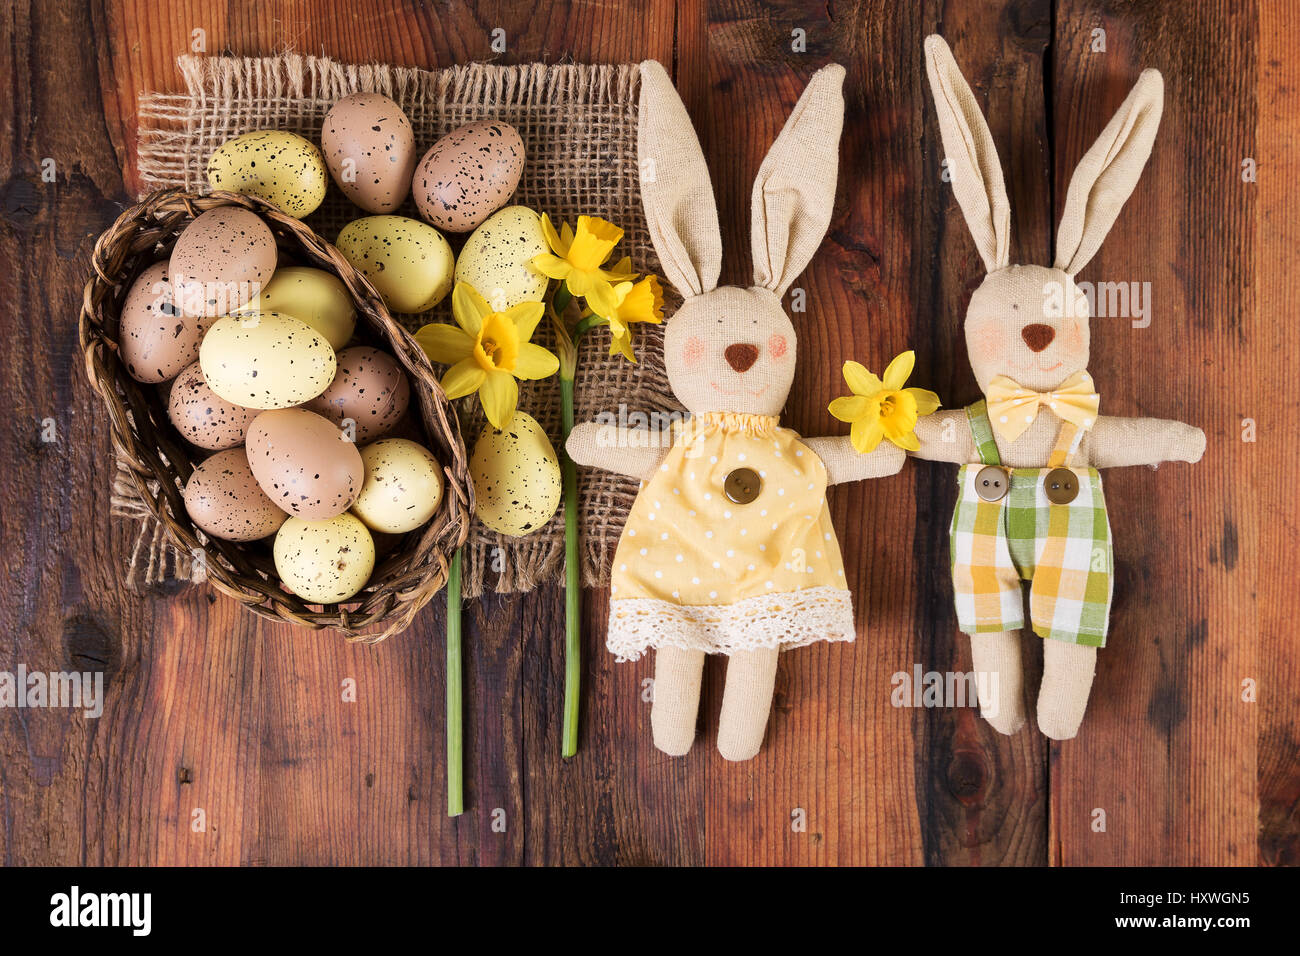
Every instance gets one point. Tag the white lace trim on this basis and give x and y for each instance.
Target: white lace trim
(786, 620)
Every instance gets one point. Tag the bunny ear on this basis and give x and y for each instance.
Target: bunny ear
(972, 159)
(794, 192)
(675, 189)
(1108, 172)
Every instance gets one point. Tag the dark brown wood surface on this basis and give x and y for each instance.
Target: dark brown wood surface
(211, 710)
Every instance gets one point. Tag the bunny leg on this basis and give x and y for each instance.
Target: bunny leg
(1067, 679)
(746, 702)
(676, 699)
(999, 677)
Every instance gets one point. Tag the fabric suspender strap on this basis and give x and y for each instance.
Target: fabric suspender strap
(1067, 443)
(981, 431)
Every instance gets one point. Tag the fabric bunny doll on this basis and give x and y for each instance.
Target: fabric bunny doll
(1029, 502)
(728, 548)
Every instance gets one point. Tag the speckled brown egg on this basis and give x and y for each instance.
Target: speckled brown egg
(469, 174)
(224, 499)
(304, 463)
(154, 339)
(369, 389)
(370, 150)
(221, 260)
(202, 416)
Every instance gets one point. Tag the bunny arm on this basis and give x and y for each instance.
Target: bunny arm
(1115, 442)
(625, 451)
(844, 463)
(945, 436)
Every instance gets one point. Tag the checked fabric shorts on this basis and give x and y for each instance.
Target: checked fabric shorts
(1064, 551)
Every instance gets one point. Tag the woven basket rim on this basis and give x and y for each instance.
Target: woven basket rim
(159, 461)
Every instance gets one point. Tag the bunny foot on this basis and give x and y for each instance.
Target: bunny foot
(999, 678)
(1067, 680)
(746, 703)
(676, 699)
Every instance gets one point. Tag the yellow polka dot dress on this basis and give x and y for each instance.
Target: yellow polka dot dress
(729, 546)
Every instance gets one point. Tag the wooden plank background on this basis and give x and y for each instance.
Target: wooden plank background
(208, 708)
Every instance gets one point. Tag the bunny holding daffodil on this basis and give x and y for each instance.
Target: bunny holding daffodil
(729, 547)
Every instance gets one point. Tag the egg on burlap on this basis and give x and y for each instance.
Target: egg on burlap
(283, 168)
(497, 258)
(516, 477)
(409, 262)
(468, 174)
(369, 147)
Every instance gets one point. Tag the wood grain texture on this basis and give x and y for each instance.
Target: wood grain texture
(210, 709)
(1168, 753)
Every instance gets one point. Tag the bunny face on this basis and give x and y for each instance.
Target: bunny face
(731, 350)
(1029, 323)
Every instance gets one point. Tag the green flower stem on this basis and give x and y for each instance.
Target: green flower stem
(572, 580)
(455, 704)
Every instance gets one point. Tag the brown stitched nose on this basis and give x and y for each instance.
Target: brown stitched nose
(1038, 336)
(741, 357)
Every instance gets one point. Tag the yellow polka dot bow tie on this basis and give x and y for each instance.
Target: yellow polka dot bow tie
(1012, 407)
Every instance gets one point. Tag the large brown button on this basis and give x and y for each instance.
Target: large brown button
(992, 483)
(742, 485)
(1061, 485)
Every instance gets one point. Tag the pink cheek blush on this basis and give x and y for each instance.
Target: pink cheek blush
(776, 346)
(693, 352)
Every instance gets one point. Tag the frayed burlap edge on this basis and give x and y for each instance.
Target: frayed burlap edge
(579, 125)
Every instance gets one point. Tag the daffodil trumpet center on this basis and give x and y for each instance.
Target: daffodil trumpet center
(496, 347)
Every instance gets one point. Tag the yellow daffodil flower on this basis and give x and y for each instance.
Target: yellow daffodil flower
(634, 302)
(885, 409)
(578, 259)
(487, 351)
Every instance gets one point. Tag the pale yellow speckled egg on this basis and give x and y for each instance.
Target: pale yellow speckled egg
(266, 360)
(280, 167)
(313, 296)
(409, 262)
(403, 486)
(516, 477)
(324, 562)
(498, 255)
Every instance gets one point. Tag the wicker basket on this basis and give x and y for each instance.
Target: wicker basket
(160, 462)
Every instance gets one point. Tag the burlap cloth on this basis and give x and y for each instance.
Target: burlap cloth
(579, 126)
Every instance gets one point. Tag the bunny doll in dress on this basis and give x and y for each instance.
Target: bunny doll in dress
(1029, 500)
(728, 548)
